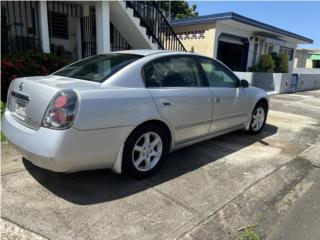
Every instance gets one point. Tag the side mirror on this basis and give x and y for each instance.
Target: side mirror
(244, 83)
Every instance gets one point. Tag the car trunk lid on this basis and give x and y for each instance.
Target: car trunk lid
(28, 98)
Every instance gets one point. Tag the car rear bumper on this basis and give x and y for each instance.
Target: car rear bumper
(68, 150)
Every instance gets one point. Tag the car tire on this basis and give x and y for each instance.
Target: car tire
(144, 151)
(258, 118)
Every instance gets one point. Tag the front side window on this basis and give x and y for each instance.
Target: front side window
(172, 72)
(218, 75)
(97, 68)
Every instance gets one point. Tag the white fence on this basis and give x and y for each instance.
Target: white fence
(281, 82)
(306, 70)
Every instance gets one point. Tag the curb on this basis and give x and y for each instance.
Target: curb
(10, 230)
(312, 154)
(249, 207)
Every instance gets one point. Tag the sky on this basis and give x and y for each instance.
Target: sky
(301, 17)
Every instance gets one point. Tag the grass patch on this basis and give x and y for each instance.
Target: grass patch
(3, 107)
(3, 138)
(248, 234)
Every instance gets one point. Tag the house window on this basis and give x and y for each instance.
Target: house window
(58, 25)
(287, 51)
(316, 64)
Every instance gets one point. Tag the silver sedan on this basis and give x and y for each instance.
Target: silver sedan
(127, 110)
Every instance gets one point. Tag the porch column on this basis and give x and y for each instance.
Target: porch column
(103, 26)
(44, 27)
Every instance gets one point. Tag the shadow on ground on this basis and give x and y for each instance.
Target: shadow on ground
(91, 187)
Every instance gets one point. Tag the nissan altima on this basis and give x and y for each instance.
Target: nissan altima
(127, 110)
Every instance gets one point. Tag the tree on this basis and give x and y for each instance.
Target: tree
(179, 9)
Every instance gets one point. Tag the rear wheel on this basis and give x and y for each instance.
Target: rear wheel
(258, 118)
(144, 151)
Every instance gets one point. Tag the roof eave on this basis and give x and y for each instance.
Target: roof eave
(236, 17)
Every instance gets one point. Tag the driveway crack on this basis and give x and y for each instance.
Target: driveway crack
(24, 228)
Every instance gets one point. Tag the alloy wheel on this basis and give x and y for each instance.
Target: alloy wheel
(258, 119)
(147, 151)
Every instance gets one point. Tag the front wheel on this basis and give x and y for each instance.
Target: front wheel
(144, 151)
(258, 119)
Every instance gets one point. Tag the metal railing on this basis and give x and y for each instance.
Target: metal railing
(19, 26)
(88, 36)
(157, 26)
(117, 42)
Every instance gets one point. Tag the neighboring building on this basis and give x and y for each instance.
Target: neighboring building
(236, 40)
(81, 29)
(307, 58)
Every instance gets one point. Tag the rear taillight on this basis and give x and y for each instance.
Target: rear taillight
(61, 110)
(9, 97)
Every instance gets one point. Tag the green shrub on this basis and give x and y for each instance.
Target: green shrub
(3, 107)
(26, 64)
(272, 62)
(280, 62)
(248, 234)
(265, 64)
(282, 66)
(275, 57)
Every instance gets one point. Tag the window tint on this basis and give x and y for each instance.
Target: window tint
(218, 75)
(97, 68)
(172, 72)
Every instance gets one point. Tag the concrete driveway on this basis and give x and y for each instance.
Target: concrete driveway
(193, 184)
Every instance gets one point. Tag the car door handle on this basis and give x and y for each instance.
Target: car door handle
(217, 100)
(164, 102)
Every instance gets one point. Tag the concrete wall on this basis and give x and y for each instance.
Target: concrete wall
(306, 70)
(275, 83)
(308, 82)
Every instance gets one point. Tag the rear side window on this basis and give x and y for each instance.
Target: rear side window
(97, 68)
(172, 72)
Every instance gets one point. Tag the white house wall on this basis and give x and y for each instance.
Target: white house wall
(198, 38)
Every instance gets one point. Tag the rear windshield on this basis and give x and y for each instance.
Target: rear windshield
(98, 68)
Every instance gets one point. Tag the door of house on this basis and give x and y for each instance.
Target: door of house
(294, 82)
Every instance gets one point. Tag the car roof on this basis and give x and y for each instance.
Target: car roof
(147, 52)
